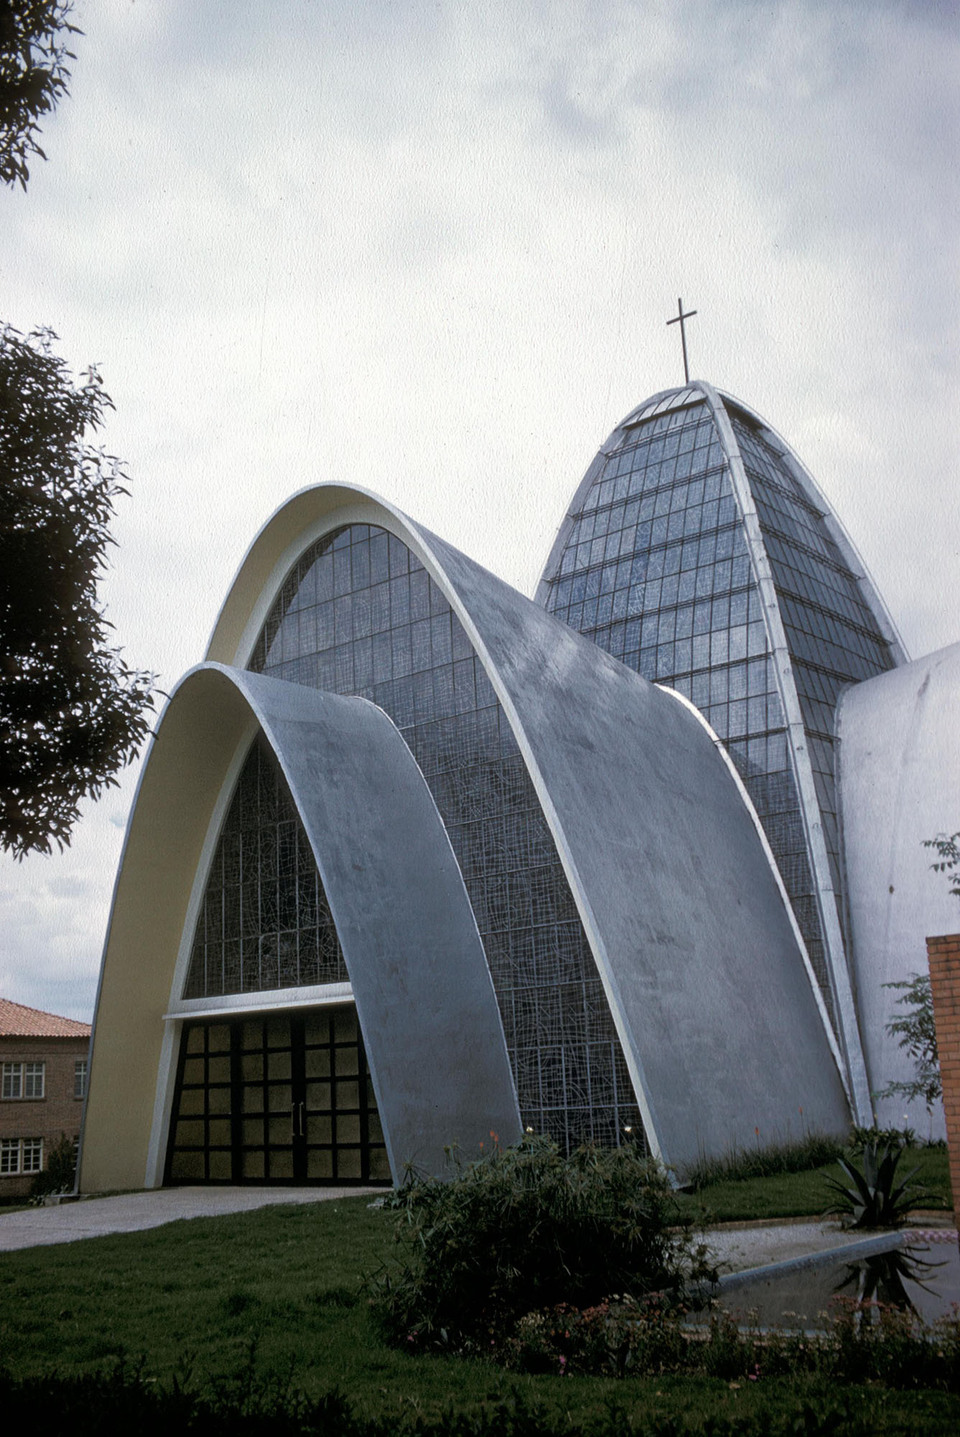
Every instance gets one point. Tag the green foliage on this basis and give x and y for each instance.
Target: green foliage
(948, 849)
(71, 710)
(34, 35)
(917, 1032)
(802, 1194)
(860, 1341)
(58, 1175)
(165, 1297)
(618, 1337)
(126, 1400)
(812, 1151)
(916, 1028)
(904, 1137)
(525, 1228)
(875, 1197)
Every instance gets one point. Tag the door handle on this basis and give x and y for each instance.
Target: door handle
(303, 1131)
(297, 1130)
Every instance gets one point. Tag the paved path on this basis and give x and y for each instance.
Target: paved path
(738, 1248)
(133, 1212)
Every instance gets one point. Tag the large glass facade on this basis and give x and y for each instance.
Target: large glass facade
(657, 571)
(360, 615)
(832, 636)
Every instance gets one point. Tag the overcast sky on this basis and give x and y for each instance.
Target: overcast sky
(431, 249)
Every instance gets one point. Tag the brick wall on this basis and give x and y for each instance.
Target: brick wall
(58, 1111)
(943, 955)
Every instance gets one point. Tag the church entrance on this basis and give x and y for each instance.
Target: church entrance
(283, 1098)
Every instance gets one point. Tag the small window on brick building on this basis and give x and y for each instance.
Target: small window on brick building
(80, 1078)
(23, 1080)
(20, 1155)
(31, 1155)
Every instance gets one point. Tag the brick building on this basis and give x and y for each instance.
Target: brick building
(943, 954)
(43, 1080)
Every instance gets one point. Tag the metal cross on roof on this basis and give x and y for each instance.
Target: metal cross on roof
(680, 317)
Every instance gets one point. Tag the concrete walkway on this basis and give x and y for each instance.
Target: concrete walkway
(738, 1248)
(133, 1212)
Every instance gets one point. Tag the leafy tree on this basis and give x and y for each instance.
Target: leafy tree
(917, 1032)
(71, 710)
(34, 36)
(916, 1027)
(949, 851)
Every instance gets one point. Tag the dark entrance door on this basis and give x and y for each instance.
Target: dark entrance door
(285, 1098)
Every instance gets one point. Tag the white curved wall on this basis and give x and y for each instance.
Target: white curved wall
(899, 784)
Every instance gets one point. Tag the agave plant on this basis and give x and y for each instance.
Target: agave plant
(874, 1197)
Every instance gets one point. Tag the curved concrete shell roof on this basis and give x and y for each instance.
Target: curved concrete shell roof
(687, 920)
(418, 972)
(899, 773)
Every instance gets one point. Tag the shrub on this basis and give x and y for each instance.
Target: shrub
(58, 1175)
(526, 1228)
(859, 1342)
(618, 1336)
(905, 1137)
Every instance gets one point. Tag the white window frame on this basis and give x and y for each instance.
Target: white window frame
(31, 1155)
(34, 1079)
(24, 1081)
(20, 1157)
(80, 1077)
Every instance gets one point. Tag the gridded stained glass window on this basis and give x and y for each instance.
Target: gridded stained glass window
(656, 570)
(265, 922)
(360, 615)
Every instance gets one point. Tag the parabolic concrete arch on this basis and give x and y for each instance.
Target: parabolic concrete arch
(697, 951)
(415, 961)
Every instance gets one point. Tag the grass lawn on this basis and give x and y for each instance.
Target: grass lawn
(279, 1292)
(806, 1194)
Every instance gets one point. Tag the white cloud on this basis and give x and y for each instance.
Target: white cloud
(433, 250)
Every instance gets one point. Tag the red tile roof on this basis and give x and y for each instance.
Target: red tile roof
(16, 1021)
